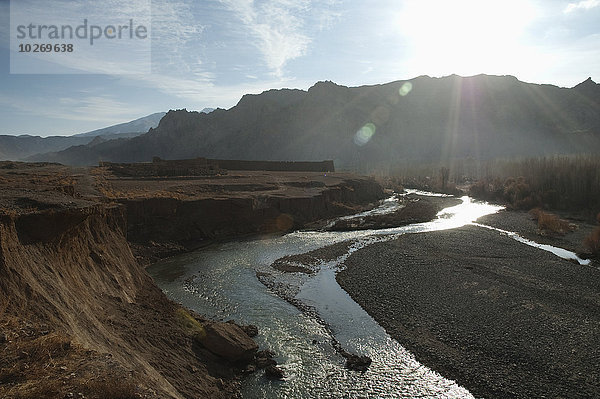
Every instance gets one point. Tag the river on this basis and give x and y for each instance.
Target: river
(221, 282)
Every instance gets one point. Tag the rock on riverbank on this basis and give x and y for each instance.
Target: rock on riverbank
(413, 209)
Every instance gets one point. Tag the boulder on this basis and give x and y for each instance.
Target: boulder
(264, 359)
(229, 341)
(274, 372)
(358, 363)
(251, 330)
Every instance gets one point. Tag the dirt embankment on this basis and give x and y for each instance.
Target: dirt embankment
(80, 316)
(172, 215)
(78, 313)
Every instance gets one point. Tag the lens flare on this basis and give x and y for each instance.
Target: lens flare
(405, 89)
(364, 134)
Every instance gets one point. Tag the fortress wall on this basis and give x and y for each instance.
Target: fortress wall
(204, 166)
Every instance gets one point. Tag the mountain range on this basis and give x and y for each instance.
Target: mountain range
(16, 148)
(140, 125)
(370, 128)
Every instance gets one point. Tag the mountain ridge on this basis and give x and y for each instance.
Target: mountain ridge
(20, 147)
(432, 119)
(135, 126)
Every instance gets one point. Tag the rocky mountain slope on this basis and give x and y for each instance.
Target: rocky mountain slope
(375, 127)
(138, 125)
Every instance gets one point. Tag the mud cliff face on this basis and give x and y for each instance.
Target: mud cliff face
(192, 222)
(76, 307)
(73, 271)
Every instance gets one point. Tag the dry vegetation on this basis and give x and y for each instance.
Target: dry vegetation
(53, 177)
(592, 242)
(189, 324)
(549, 223)
(559, 182)
(38, 363)
(569, 184)
(565, 183)
(102, 177)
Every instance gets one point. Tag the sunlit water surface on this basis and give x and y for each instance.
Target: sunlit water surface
(221, 283)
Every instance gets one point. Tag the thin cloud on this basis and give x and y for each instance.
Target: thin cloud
(200, 93)
(103, 109)
(582, 5)
(278, 27)
(176, 35)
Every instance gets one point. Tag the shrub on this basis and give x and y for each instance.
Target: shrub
(111, 390)
(47, 347)
(190, 325)
(592, 242)
(43, 350)
(551, 223)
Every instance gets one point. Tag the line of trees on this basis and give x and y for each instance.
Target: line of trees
(557, 182)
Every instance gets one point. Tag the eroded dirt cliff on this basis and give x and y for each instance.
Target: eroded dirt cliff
(79, 316)
(170, 215)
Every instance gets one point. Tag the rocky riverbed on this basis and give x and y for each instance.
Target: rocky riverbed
(503, 319)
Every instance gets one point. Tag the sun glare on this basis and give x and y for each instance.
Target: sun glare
(465, 36)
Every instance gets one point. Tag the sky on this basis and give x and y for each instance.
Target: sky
(208, 53)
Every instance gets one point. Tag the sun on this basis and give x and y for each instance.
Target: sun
(465, 36)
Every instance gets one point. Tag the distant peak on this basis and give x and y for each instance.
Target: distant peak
(326, 86)
(325, 83)
(586, 83)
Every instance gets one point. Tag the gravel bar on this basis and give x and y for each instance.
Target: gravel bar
(501, 318)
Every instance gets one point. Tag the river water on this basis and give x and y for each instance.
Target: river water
(221, 282)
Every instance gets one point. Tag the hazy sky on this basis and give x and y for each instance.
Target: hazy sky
(208, 53)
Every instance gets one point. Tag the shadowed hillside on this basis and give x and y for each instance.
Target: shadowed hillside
(371, 128)
(23, 146)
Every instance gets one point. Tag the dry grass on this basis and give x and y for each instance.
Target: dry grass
(46, 348)
(592, 242)
(550, 223)
(94, 389)
(29, 356)
(45, 389)
(4, 302)
(39, 364)
(123, 389)
(189, 324)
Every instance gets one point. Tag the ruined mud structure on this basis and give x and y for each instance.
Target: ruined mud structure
(209, 167)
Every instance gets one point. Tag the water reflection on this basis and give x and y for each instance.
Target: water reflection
(560, 252)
